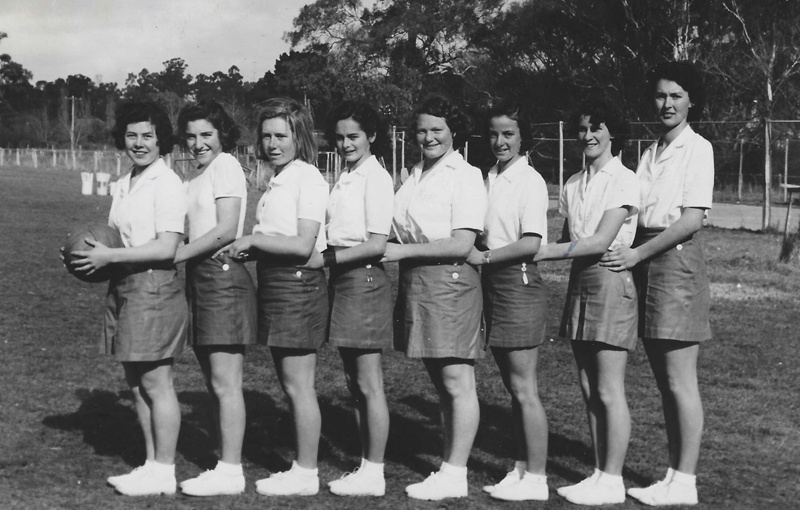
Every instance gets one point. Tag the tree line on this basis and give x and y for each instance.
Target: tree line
(392, 53)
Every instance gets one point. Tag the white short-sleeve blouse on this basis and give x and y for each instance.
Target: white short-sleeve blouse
(221, 179)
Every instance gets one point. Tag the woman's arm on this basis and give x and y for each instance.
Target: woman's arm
(161, 248)
(373, 247)
(457, 246)
(596, 244)
(300, 246)
(223, 233)
(528, 246)
(623, 258)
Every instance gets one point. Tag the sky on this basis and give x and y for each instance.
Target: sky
(107, 39)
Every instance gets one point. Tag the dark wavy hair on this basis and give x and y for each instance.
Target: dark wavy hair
(685, 74)
(457, 121)
(601, 111)
(133, 112)
(214, 113)
(300, 122)
(515, 111)
(367, 117)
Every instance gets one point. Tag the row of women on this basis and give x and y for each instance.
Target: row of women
(636, 273)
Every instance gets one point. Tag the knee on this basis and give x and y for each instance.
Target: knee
(610, 395)
(226, 386)
(299, 388)
(459, 387)
(524, 392)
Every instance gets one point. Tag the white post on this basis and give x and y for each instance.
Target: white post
(18, 162)
(35, 159)
(741, 165)
(2, 156)
(767, 178)
(785, 169)
(560, 157)
(394, 154)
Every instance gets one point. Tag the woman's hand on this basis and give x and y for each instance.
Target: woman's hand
(393, 253)
(240, 248)
(620, 259)
(315, 261)
(476, 257)
(92, 260)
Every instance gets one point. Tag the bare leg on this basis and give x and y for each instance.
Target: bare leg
(518, 371)
(156, 381)
(142, 407)
(365, 381)
(296, 371)
(674, 366)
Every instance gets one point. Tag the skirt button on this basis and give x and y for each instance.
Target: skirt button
(679, 247)
(299, 274)
(369, 266)
(225, 267)
(455, 276)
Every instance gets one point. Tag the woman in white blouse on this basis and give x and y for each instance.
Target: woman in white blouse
(600, 204)
(437, 214)
(292, 298)
(359, 220)
(222, 299)
(146, 315)
(676, 175)
(515, 298)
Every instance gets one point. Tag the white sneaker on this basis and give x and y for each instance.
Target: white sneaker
(149, 483)
(642, 493)
(563, 491)
(358, 483)
(345, 476)
(214, 483)
(597, 493)
(114, 480)
(288, 483)
(511, 477)
(672, 493)
(525, 489)
(439, 486)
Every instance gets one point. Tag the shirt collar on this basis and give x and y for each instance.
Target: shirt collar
(284, 174)
(512, 171)
(363, 168)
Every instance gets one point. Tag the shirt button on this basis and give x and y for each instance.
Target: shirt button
(299, 274)
(679, 247)
(455, 276)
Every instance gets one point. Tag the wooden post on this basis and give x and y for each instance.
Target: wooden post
(18, 161)
(765, 216)
(785, 168)
(394, 155)
(560, 157)
(35, 159)
(2, 156)
(741, 166)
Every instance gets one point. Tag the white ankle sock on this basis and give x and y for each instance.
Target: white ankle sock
(534, 477)
(372, 468)
(163, 469)
(607, 479)
(228, 469)
(520, 466)
(454, 471)
(303, 471)
(684, 478)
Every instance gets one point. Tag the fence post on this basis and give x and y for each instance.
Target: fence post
(18, 162)
(560, 157)
(35, 159)
(394, 154)
(741, 165)
(119, 163)
(2, 156)
(767, 177)
(785, 169)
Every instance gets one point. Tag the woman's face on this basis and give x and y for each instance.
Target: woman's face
(672, 103)
(202, 140)
(595, 139)
(141, 144)
(278, 142)
(434, 136)
(352, 142)
(504, 137)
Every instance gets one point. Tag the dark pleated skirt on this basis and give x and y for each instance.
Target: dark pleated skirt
(438, 313)
(514, 305)
(146, 317)
(222, 302)
(292, 306)
(673, 291)
(601, 306)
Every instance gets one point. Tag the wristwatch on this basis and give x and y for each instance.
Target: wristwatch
(487, 255)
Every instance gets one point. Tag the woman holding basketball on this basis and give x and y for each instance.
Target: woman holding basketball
(358, 223)
(676, 175)
(600, 204)
(292, 297)
(514, 296)
(146, 315)
(222, 300)
(437, 214)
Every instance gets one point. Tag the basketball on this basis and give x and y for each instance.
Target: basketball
(76, 241)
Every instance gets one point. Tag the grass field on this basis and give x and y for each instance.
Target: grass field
(68, 422)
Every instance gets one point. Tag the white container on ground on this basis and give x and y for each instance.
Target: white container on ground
(87, 183)
(102, 183)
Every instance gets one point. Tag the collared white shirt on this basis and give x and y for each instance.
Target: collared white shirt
(298, 192)
(156, 203)
(517, 205)
(360, 204)
(450, 196)
(223, 178)
(584, 203)
(682, 176)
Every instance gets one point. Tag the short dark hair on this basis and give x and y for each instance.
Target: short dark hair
(214, 113)
(457, 121)
(685, 74)
(368, 119)
(300, 122)
(600, 111)
(515, 111)
(133, 112)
